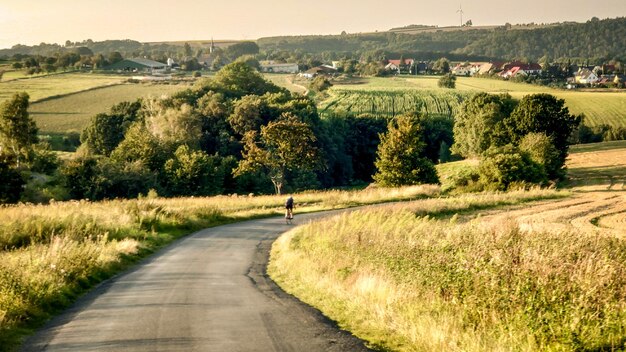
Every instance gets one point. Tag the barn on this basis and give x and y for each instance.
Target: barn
(137, 65)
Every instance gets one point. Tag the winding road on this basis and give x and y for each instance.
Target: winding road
(206, 292)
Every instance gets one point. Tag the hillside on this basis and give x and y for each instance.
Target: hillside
(595, 39)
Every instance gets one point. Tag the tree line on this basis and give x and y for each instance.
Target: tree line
(238, 133)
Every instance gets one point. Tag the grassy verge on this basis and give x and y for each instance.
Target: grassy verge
(51, 254)
(416, 283)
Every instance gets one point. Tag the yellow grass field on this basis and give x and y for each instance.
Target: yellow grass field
(449, 274)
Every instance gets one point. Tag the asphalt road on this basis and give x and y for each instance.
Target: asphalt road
(206, 292)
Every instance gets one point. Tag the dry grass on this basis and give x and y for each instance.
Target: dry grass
(49, 254)
(410, 283)
(602, 165)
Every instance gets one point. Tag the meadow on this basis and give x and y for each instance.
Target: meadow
(72, 113)
(415, 277)
(518, 271)
(50, 254)
(43, 87)
(599, 107)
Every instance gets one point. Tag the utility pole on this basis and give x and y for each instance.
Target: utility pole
(460, 11)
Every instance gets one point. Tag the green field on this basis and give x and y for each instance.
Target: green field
(73, 112)
(599, 107)
(42, 87)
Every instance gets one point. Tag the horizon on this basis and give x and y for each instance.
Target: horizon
(55, 21)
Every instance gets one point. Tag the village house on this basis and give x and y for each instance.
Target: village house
(516, 69)
(397, 66)
(586, 76)
(461, 70)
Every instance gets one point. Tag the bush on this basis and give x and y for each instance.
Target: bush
(541, 150)
(11, 185)
(320, 84)
(197, 74)
(507, 166)
(447, 81)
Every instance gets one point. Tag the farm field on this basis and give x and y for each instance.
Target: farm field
(286, 81)
(598, 165)
(598, 107)
(54, 85)
(72, 113)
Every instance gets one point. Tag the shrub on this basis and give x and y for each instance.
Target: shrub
(320, 84)
(504, 167)
(541, 150)
(447, 81)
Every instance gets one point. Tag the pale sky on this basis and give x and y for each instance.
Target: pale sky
(55, 21)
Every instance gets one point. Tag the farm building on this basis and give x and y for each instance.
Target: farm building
(279, 68)
(138, 65)
(319, 70)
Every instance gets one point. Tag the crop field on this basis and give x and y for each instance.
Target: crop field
(43, 87)
(598, 165)
(393, 102)
(72, 113)
(599, 107)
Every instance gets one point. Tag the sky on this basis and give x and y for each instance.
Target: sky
(31, 22)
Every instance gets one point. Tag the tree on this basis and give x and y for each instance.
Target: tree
(140, 145)
(193, 173)
(243, 48)
(249, 114)
(479, 123)
(106, 131)
(400, 155)
(283, 145)
(540, 149)
(18, 132)
(447, 81)
(506, 166)
(238, 79)
(187, 50)
(442, 65)
(11, 185)
(543, 113)
(115, 57)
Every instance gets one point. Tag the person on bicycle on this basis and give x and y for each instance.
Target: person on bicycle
(289, 207)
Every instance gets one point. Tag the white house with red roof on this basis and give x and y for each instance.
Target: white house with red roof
(395, 65)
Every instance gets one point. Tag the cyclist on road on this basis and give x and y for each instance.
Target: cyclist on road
(289, 207)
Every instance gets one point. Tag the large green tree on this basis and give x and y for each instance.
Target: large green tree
(283, 145)
(401, 159)
(18, 131)
(543, 113)
(479, 124)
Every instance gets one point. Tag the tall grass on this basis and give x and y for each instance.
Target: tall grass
(49, 254)
(415, 283)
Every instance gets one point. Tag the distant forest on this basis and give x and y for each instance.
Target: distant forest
(595, 40)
